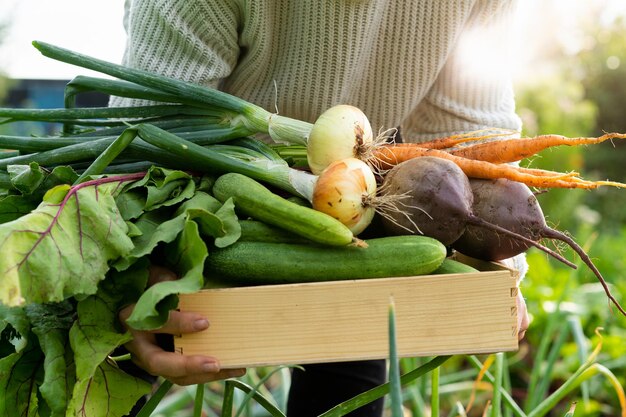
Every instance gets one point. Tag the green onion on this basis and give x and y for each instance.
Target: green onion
(257, 119)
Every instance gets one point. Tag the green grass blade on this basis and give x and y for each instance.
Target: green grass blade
(382, 390)
(154, 400)
(543, 385)
(510, 402)
(496, 401)
(261, 400)
(255, 389)
(581, 349)
(552, 327)
(395, 388)
(198, 401)
(434, 396)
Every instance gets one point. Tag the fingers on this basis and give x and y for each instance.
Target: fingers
(177, 323)
(158, 274)
(181, 370)
(523, 320)
(184, 322)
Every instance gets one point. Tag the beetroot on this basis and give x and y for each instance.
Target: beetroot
(513, 206)
(433, 197)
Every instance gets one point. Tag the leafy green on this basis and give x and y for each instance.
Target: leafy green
(18, 393)
(51, 324)
(109, 393)
(63, 247)
(73, 259)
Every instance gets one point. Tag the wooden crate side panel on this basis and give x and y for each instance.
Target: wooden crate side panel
(347, 320)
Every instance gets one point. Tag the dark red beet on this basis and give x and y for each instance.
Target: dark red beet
(432, 196)
(513, 206)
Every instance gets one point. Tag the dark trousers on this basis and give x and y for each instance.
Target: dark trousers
(322, 386)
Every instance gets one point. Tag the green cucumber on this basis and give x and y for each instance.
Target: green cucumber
(451, 266)
(266, 263)
(257, 201)
(256, 231)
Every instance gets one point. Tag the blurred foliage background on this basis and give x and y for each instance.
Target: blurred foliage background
(583, 94)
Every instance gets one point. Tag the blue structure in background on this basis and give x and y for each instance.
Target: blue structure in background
(44, 94)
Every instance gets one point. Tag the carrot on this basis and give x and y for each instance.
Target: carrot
(386, 156)
(511, 150)
(454, 140)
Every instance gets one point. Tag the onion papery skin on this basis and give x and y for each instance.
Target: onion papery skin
(341, 132)
(343, 191)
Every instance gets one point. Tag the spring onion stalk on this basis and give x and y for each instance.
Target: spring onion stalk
(84, 84)
(64, 114)
(341, 191)
(222, 159)
(257, 119)
(340, 132)
(68, 150)
(110, 153)
(29, 144)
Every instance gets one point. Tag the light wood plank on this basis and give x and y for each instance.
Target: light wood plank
(347, 320)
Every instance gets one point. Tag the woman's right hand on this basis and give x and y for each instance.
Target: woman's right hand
(182, 370)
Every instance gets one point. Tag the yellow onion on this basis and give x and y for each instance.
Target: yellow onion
(342, 131)
(344, 190)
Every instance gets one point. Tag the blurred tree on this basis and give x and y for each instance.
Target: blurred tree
(585, 96)
(556, 104)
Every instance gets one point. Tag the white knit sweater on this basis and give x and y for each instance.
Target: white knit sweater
(424, 65)
(401, 61)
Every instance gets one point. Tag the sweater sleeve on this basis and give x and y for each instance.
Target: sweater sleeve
(191, 40)
(473, 89)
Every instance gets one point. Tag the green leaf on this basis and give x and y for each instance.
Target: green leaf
(96, 332)
(14, 329)
(109, 393)
(61, 250)
(215, 219)
(172, 190)
(51, 324)
(131, 203)
(19, 374)
(15, 206)
(26, 178)
(33, 181)
(187, 255)
(152, 228)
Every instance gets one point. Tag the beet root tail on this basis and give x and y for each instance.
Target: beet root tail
(501, 230)
(555, 234)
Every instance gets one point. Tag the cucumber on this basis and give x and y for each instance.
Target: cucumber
(256, 231)
(450, 266)
(266, 263)
(257, 201)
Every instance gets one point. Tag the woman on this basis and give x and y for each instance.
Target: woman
(411, 63)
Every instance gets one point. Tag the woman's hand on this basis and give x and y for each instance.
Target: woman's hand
(182, 370)
(523, 321)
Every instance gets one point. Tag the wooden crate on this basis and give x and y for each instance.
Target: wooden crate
(347, 320)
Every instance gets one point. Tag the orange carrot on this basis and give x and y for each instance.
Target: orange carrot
(511, 150)
(386, 156)
(454, 140)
